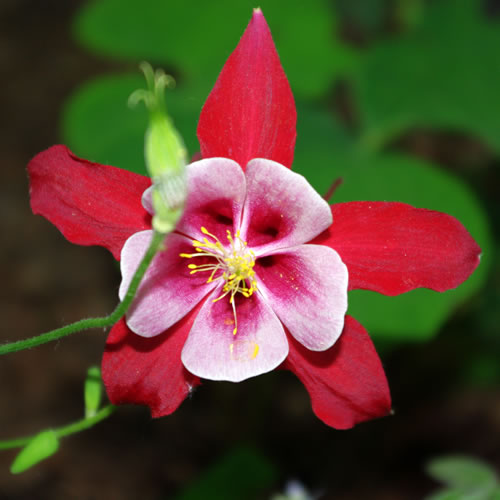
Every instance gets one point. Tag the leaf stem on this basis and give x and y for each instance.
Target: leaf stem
(73, 428)
(85, 423)
(102, 322)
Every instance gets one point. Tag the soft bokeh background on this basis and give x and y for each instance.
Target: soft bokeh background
(399, 98)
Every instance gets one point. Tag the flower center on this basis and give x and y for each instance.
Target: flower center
(234, 264)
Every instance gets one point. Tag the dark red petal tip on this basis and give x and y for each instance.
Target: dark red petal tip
(392, 248)
(250, 112)
(90, 204)
(346, 383)
(148, 371)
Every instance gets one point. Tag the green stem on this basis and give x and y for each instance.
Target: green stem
(103, 322)
(85, 423)
(73, 428)
(15, 443)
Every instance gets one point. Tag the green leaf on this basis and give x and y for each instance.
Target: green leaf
(474, 479)
(445, 75)
(92, 391)
(325, 152)
(447, 494)
(242, 474)
(42, 446)
(461, 471)
(368, 16)
(197, 45)
(99, 126)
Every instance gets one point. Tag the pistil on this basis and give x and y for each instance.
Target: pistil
(234, 262)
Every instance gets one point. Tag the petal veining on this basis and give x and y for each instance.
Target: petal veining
(347, 383)
(306, 286)
(392, 248)
(90, 204)
(216, 192)
(167, 292)
(281, 208)
(137, 370)
(250, 113)
(213, 352)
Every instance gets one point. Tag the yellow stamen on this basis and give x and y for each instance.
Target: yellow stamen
(255, 351)
(235, 263)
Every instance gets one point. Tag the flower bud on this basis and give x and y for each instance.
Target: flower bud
(92, 391)
(164, 152)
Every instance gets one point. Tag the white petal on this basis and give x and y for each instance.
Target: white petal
(281, 209)
(147, 200)
(306, 287)
(168, 291)
(213, 352)
(216, 192)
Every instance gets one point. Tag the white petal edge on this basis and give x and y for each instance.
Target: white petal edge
(167, 291)
(273, 187)
(147, 200)
(309, 295)
(208, 181)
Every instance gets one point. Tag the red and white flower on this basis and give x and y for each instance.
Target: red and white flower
(256, 274)
(244, 235)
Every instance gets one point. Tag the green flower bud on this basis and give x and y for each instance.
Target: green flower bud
(164, 152)
(42, 446)
(92, 391)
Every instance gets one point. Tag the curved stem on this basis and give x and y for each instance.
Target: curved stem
(85, 324)
(80, 425)
(85, 423)
(15, 443)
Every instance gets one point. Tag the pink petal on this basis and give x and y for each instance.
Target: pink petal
(347, 384)
(213, 352)
(392, 248)
(250, 112)
(90, 204)
(216, 192)
(282, 209)
(306, 287)
(148, 372)
(168, 291)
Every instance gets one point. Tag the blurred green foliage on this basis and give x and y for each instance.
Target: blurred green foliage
(465, 478)
(243, 473)
(195, 40)
(442, 72)
(418, 314)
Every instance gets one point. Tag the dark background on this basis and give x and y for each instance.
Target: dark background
(47, 282)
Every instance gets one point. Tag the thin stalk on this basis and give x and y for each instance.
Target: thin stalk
(102, 322)
(80, 425)
(85, 423)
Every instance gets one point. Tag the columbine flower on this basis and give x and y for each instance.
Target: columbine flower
(245, 260)
(255, 275)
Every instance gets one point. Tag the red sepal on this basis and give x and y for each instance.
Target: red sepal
(90, 204)
(148, 371)
(346, 383)
(250, 112)
(392, 248)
